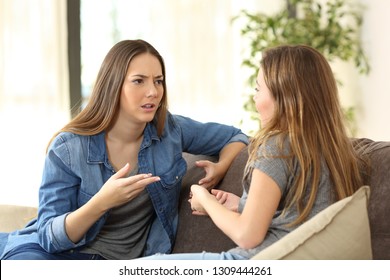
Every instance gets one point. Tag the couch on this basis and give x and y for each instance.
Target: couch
(355, 228)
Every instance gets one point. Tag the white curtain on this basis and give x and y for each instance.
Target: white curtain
(33, 91)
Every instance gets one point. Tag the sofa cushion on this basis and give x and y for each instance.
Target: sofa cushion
(13, 217)
(340, 231)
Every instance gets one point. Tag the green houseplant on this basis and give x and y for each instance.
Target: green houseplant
(332, 27)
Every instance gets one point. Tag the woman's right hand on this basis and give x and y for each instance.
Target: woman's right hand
(120, 189)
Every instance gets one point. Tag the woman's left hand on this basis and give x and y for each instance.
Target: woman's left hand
(214, 173)
(227, 199)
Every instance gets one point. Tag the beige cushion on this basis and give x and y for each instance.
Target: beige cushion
(14, 217)
(340, 231)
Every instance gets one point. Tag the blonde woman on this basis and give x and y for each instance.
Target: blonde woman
(300, 162)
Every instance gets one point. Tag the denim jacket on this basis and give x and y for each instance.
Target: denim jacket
(76, 167)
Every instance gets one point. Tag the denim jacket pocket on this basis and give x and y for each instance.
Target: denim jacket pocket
(174, 175)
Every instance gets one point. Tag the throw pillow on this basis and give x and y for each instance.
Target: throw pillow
(340, 231)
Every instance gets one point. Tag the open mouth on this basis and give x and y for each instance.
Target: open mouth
(148, 106)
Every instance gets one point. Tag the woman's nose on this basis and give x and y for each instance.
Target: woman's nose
(152, 91)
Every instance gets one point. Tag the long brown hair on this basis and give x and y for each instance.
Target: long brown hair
(308, 113)
(102, 106)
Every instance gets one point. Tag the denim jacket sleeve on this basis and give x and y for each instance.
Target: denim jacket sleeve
(59, 195)
(207, 138)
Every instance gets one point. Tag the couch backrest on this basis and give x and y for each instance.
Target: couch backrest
(378, 178)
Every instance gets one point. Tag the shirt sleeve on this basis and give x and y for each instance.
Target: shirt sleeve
(274, 162)
(207, 138)
(57, 197)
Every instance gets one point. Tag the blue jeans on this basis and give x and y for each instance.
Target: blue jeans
(32, 251)
(3, 241)
(195, 256)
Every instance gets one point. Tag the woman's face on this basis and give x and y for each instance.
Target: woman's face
(142, 89)
(264, 101)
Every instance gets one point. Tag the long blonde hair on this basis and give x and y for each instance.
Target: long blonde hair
(308, 113)
(102, 107)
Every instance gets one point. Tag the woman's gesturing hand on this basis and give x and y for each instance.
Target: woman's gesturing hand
(120, 189)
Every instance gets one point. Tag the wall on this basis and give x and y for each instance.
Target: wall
(374, 98)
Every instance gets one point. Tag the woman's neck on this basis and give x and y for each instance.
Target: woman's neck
(125, 133)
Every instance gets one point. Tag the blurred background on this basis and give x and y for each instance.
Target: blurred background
(51, 51)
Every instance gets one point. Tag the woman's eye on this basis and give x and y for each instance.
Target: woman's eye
(256, 89)
(137, 81)
(159, 82)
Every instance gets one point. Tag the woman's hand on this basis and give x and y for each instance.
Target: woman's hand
(198, 193)
(227, 199)
(120, 189)
(214, 173)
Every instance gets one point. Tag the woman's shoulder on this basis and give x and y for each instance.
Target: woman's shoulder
(275, 145)
(175, 120)
(175, 117)
(67, 139)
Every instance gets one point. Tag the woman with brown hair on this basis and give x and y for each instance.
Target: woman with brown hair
(112, 176)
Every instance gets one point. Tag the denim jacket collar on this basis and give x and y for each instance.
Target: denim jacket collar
(97, 148)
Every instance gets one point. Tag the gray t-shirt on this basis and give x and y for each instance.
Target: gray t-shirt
(278, 169)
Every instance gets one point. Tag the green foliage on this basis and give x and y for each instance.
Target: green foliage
(332, 28)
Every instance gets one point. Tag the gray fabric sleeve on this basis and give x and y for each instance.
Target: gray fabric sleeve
(270, 162)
